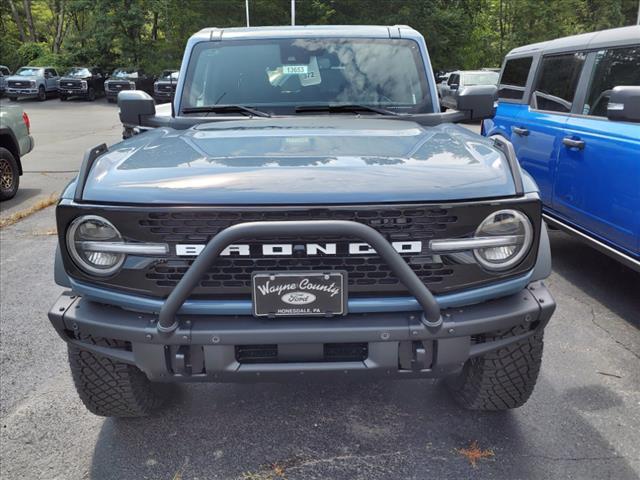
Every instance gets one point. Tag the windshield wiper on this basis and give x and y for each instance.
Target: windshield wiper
(227, 109)
(344, 108)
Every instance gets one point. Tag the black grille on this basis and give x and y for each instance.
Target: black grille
(19, 83)
(116, 86)
(71, 84)
(364, 272)
(230, 276)
(166, 88)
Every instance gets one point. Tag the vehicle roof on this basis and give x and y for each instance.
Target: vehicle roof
(38, 66)
(584, 41)
(375, 31)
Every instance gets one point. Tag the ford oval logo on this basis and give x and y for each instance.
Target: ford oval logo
(298, 298)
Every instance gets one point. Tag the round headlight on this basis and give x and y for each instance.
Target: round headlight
(83, 242)
(510, 224)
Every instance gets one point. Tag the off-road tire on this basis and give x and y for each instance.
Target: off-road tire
(42, 93)
(110, 388)
(9, 167)
(502, 379)
(63, 98)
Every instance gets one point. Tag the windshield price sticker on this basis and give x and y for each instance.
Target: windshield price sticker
(295, 69)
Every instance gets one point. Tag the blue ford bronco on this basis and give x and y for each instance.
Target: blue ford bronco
(571, 109)
(302, 209)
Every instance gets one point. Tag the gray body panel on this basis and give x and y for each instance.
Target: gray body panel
(301, 161)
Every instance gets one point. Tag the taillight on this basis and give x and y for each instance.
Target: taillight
(27, 122)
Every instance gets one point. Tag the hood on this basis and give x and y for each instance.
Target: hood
(88, 77)
(124, 79)
(302, 160)
(26, 78)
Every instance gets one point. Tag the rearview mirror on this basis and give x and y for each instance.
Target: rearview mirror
(478, 101)
(624, 104)
(134, 105)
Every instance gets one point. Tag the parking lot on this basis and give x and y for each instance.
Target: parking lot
(582, 422)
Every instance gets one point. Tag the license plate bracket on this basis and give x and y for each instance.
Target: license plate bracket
(299, 294)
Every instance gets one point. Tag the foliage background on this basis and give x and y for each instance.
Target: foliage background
(152, 33)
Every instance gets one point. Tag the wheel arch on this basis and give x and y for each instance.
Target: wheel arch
(8, 140)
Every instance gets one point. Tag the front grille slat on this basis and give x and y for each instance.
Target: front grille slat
(233, 274)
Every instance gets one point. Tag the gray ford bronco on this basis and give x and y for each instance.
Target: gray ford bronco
(302, 209)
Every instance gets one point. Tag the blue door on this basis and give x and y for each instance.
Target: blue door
(598, 174)
(538, 132)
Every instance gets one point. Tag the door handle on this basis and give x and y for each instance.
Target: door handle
(523, 132)
(573, 143)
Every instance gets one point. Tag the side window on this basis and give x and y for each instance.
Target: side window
(613, 68)
(557, 82)
(514, 78)
(454, 79)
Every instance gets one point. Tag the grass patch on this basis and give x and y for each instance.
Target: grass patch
(36, 207)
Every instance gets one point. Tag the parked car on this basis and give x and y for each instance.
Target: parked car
(85, 82)
(357, 234)
(15, 143)
(32, 82)
(165, 87)
(4, 73)
(131, 78)
(464, 78)
(442, 82)
(571, 109)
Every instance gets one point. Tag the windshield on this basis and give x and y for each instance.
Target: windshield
(29, 71)
(279, 74)
(124, 73)
(482, 78)
(78, 72)
(168, 74)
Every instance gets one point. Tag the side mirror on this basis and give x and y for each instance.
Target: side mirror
(453, 86)
(478, 101)
(134, 105)
(624, 104)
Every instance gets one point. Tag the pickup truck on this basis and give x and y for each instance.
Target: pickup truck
(302, 209)
(32, 82)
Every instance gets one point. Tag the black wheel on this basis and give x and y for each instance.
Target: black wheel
(113, 389)
(111, 100)
(13, 99)
(42, 93)
(502, 379)
(91, 96)
(9, 175)
(63, 98)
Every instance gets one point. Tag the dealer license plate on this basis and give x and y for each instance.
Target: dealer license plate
(305, 294)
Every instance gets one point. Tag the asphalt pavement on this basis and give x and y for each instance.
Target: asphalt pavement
(582, 422)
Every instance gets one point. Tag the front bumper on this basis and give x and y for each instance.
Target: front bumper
(22, 92)
(399, 344)
(74, 92)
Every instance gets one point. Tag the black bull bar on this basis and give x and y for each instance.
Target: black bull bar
(168, 321)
